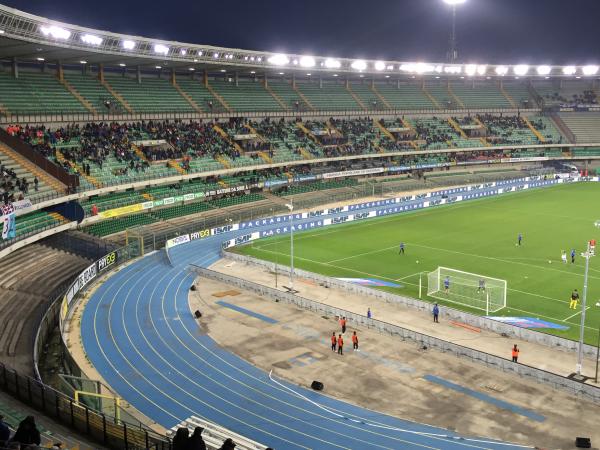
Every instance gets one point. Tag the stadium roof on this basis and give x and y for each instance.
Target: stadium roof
(30, 38)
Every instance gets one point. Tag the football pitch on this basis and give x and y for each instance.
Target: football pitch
(477, 236)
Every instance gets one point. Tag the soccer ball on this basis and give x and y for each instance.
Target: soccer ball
(549, 261)
(417, 261)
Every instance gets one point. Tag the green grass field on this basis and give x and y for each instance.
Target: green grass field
(476, 236)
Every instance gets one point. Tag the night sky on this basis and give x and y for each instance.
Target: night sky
(489, 31)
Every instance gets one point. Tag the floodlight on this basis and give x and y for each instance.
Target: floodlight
(359, 64)
(160, 48)
(501, 70)
(295, 62)
(55, 32)
(387, 76)
(252, 72)
(91, 39)
(83, 62)
(379, 65)
(308, 74)
(454, 2)
(122, 64)
(223, 71)
(471, 69)
(40, 59)
(453, 70)
(332, 63)
(200, 52)
(158, 67)
(521, 69)
(589, 70)
(307, 61)
(259, 59)
(192, 69)
(281, 73)
(215, 55)
(481, 69)
(128, 45)
(335, 74)
(1, 31)
(569, 70)
(438, 69)
(544, 70)
(183, 52)
(278, 60)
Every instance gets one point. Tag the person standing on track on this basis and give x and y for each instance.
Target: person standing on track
(436, 313)
(333, 342)
(343, 324)
(354, 341)
(519, 239)
(401, 251)
(572, 256)
(369, 315)
(515, 353)
(340, 344)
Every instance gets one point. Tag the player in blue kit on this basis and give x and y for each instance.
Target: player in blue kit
(447, 284)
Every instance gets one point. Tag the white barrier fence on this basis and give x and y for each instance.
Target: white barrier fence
(573, 387)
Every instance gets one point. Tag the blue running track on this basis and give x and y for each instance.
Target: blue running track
(138, 331)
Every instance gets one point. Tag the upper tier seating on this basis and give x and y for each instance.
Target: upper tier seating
(13, 173)
(519, 93)
(585, 126)
(405, 96)
(332, 96)
(91, 89)
(566, 93)
(290, 98)
(151, 95)
(367, 96)
(199, 94)
(247, 96)
(36, 93)
(478, 95)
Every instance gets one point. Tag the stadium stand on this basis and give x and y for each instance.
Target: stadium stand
(565, 92)
(247, 95)
(479, 95)
(585, 126)
(331, 96)
(405, 96)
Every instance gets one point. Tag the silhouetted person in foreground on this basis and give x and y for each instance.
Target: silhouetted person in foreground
(181, 439)
(228, 444)
(196, 442)
(27, 433)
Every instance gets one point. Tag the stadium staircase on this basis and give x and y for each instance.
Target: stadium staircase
(457, 128)
(223, 161)
(118, 96)
(3, 110)
(538, 135)
(189, 99)
(380, 97)
(384, 130)
(23, 168)
(309, 133)
(305, 154)
(355, 97)
(483, 140)
(456, 99)
(77, 95)
(275, 96)
(563, 128)
(78, 169)
(220, 99)
(430, 97)
(177, 166)
(264, 156)
(225, 136)
(508, 97)
(303, 97)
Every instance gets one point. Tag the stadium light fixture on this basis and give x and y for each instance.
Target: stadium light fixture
(332, 63)
(589, 70)
(191, 69)
(252, 72)
(544, 70)
(82, 62)
(55, 32)
(453, 70)
(569, 70)
(359, 64)
(390, 67)
(128, 45)
(471, 69)
(481, 69)
(501, 70)
(454, 2)
(158, 67)
(380, 65)
(223, 71)
(91, 39)
(1, 31)
(183, 52)
(161, 49)
(215, 55)
(40, 59)
(335, 74)
(387, 76)
(307, 61)
(122, 64)
(295, 62)
(521, 69)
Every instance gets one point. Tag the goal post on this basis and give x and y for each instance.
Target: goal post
(468, 289)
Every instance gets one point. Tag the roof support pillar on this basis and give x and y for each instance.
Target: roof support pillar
(236, 77)
(320, 82)
(59, 71)
(15, 68)
(138, 74)
(294, 80)
(205, 78)
(266, 81)
(101, 72)
(347, 83)
(372, 83)
(173, 77)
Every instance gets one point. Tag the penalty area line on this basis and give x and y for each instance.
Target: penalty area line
(573, 315)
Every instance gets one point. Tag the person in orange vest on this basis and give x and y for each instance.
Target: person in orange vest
(343, 324)
(340, 344)
(515, 353)
(354, 341)
(333, 342)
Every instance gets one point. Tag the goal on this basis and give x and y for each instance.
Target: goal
(464, 289)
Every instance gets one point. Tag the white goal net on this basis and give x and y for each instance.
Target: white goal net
(468, 289)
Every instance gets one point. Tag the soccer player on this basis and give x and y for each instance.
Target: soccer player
(401, 251)
(574, 299)
(447, 284)
(572, 256)
(481, 285)
(563, 256)
(593, 246)
(519, 238)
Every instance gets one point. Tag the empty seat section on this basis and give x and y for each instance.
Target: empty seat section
(247, 96)
(474, 95)
(404, 96)
(91, 89)
(283, 89)
(332, 96)
(201, 95)
(366, 95)
(151, 95)
(585, 126)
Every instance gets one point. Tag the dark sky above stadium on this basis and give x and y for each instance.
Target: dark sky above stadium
(490, 31)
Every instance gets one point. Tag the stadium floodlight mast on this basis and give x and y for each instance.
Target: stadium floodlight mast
(587, 255)
(453, 51)
(290, 206)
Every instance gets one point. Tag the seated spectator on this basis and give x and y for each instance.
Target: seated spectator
(228, 444)
(27, 433)
(4, 432)
(181, 439)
